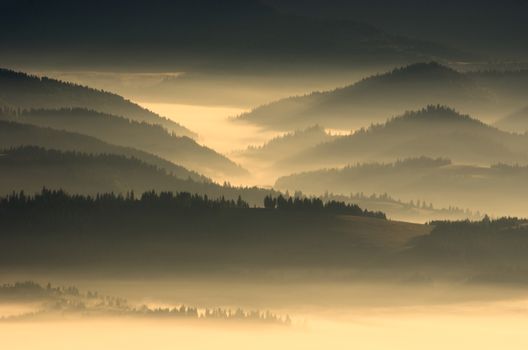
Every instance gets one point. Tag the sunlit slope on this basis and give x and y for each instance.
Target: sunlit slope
(497, 190)
(123, 132)
(19, 90)
(14, 135)
(375, 98)
(30, 169)
(434, 131)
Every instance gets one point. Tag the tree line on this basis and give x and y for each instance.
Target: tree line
(318, 205)
(58, 200)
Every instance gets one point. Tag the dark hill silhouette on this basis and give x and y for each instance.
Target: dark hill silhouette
(494, 28)
(494, 248)
(515, 122)
(166, 234)
(373, 99)
(20, 90)
(30, 169)
(123, 132)
(496, 190)
(434, 131)
(196, 33)
(13, 135)
(188, 233)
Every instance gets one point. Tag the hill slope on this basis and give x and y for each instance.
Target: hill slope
(23, 91)
(184, 233)
(123, 132)
(496, 190)
(434, 131)
(13, 135)
(31, 168)
(373, 99)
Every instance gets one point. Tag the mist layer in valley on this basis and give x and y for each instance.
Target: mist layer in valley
(263, 174)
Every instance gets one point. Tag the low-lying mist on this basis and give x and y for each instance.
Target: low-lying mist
(324, 315)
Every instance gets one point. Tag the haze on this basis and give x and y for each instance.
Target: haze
(263, 174)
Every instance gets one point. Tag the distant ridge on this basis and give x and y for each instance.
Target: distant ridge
(30, 168)
(24, 91)
(434, 131)
(151, 138)
(372, 99)
(14, 135)
(205, 33)
(494, 189)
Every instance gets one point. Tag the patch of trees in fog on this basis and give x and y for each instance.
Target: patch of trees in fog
(69, 301)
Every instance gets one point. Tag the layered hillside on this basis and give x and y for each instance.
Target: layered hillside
(434, 131)
(31, 168)
(496, 190)
(22, 91)
(120, 131)
(408, 88)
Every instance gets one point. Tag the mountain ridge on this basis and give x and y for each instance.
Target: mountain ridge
(434, 131)
(151, 138)
(24, 91)
(373, 98)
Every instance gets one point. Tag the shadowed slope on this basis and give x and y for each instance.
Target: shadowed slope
(19, 90)
(121, 131)
(32, 168)
(13, 135)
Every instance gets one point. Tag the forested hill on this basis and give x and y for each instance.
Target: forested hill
(20, 90)
(120, 131)
(434, 131)
(180, 233)
(14, 135)
(375, 98)
(32, 168)
(496, 190)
